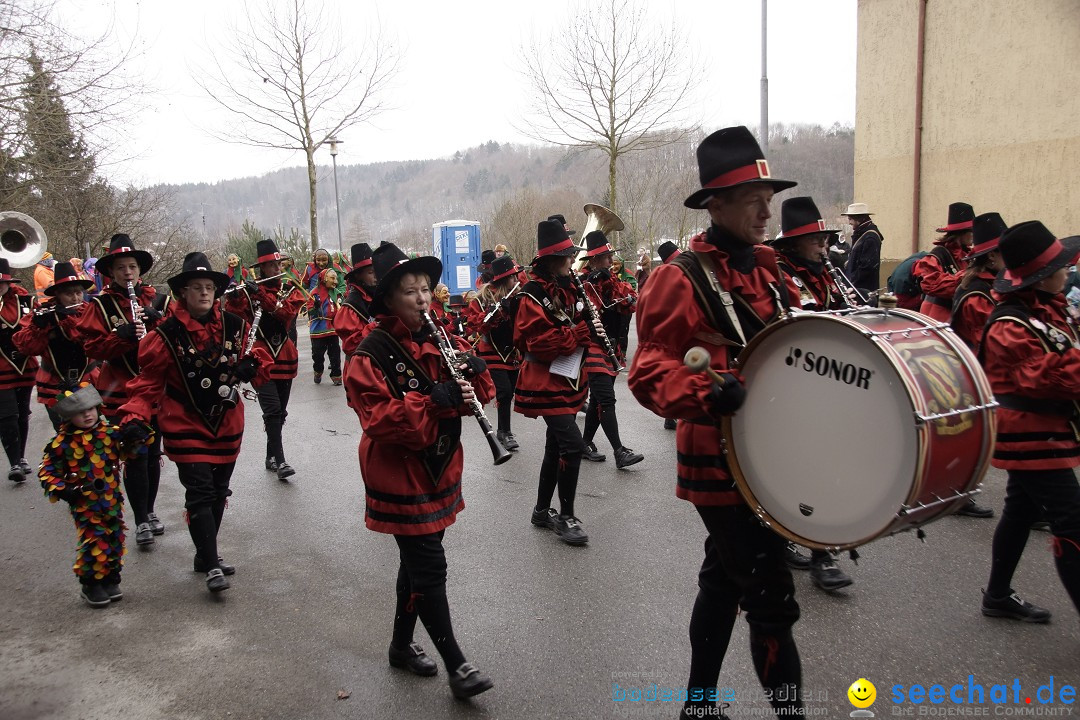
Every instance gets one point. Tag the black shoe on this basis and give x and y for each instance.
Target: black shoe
(670, 425)
(413, 659)
(95, 595)
(144, 535)
(156, 526)
(1041, 526)
(215, 581)
(318, 378)
(590, 454)
(1015, 607)
(113, 591)
(507, 440)
(25, 467)
(15, 474)
(570, 530)
(625, 457)
(544, 518)
(201, 567)
(972, 509)
(795, 559)
(467, 681)
(827, 576)
(284, 471)
(335, 380)
(271, 464)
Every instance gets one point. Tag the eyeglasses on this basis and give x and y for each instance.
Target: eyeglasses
(201, 289)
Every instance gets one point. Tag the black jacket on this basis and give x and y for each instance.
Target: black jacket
(864, 260)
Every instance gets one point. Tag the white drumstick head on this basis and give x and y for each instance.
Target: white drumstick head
(697, 359)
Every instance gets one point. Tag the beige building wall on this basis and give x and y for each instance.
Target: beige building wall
(1001, 114)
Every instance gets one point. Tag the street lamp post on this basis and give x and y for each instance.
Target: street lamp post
(764, 77)
(334, 142)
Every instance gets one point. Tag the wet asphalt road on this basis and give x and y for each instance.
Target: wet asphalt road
(309, 613)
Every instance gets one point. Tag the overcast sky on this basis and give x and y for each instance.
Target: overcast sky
(459, 84)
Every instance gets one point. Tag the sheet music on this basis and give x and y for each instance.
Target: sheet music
(568, 366)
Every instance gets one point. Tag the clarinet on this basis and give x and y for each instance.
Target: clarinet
(847, 291)
(498, 306)
(498, 452)
(136, 311)
(590, 314)
(232, 397)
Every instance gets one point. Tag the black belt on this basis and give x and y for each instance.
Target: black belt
(1039, 406)
(935, 300)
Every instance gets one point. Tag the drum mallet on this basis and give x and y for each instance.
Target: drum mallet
(697, 359)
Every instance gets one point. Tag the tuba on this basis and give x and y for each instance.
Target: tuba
(22, 239)
(597, 217)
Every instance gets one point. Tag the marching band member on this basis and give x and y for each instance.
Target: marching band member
(667, 251)
(51, 334)
(411, 458)
(354, 317)
(321, 312)
(1031, 354)
(17, 372)
(939, 272)
(189, 365)
(727, 288)
(496, 342)
(111, 335)
(549, 326)
(280, 303)
(611, 297)
(973, 301)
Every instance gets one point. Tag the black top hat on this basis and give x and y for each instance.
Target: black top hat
(553, 240)
(731, 157)
(799, 216)
(562, 221)
(987, 231)
(64, 274)
(265, 251)
(391, 263)
(667, 250)
(597, 244)
(361, 255)
(487, 257)
(1031, 253)
(961, 217)
(196, 265)
(5, 272)
(503, 267)
(121, 246)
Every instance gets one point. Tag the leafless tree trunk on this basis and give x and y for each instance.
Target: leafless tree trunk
(611, 79)
(291, 82)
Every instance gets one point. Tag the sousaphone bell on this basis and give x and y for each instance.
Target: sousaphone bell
(22, 239)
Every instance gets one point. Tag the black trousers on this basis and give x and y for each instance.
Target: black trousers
(744, 568)
(329, 346)
(421, 591)
(561, 464)
(1032, 495)
(206, 492)
(274, 401)
(602, 410)
(505, 382)
(15, 422)
(142, 477)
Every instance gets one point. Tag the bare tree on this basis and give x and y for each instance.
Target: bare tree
(613, 80)
(291, 82)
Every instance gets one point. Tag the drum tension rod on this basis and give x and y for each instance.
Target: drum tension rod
(920, 506)
(920, 418)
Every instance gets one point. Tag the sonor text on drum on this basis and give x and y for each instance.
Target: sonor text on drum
(824, 366)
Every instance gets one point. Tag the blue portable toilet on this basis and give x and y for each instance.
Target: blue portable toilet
(457, 244)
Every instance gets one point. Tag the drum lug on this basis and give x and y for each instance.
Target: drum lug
(920, 418)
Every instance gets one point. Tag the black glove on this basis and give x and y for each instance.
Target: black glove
(729, 397)
(134, 432)
(600, 275)
(151, 313)
(447, 394)
(71, 495)
(476, 365)
(246, 369)
(42, 321)
(65, 311)
(127, 332)
(251, 286)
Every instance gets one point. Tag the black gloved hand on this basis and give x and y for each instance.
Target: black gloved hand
(251, 286)
(447, 395)
(246, 369)
(600, 275)
(127, 332)
(65, 311)
(151, 314)
(71, 495)
(134, 432)
(475, 365)
(42, 321)
(729, 397)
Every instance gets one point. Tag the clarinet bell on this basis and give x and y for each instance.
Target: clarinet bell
(498, 452)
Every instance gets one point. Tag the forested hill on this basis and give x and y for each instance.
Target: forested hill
(508, 188)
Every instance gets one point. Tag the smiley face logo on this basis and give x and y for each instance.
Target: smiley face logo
(862, 693)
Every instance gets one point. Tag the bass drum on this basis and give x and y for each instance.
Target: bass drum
(858, 424)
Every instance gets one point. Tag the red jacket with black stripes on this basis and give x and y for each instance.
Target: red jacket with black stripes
(474, 314)
(15, 372)
(286, 359)
(48, 342)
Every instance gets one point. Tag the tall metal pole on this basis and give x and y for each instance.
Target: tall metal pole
(334, 142)
(764, 77)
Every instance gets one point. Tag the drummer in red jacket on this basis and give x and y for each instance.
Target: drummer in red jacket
(411, 458)
(1031, 353)
(190, 365)
(939, 272)
(744, 560)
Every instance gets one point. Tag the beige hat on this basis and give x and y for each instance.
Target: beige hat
(857, 209)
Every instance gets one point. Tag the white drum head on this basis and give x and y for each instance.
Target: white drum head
(826, 440)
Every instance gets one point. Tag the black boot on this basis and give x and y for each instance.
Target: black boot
(203, 531)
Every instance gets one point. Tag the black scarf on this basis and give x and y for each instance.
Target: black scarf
(740, 254)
